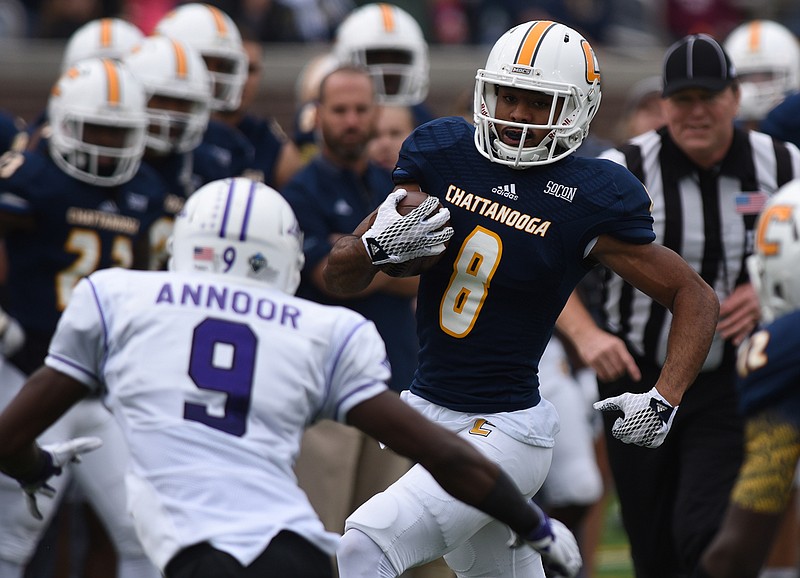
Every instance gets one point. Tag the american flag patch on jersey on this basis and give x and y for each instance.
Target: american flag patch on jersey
(750, 203)
(203, 254)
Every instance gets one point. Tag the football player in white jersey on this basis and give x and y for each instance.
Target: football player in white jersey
(213, 370)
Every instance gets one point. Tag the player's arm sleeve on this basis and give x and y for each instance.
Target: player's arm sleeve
(358, 368)
(79, 344)
(408, 169)
(630, 219)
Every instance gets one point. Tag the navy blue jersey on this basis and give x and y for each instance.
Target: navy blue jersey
(77, 229)
(783, 121)
(769, 367)
(225, 152)
(486, 311)
(177, 172)
(267, 138)
(10, 127)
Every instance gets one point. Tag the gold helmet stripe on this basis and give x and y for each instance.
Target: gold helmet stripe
(388, 17)
(113, 90)
(530, 44)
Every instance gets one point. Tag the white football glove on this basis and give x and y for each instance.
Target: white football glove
(647, 417)
(555, 543)
(396, 238)
(55, 457)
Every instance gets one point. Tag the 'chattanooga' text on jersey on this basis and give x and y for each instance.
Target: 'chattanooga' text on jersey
(497, 211)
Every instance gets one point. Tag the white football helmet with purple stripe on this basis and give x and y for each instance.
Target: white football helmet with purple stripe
(239, 227)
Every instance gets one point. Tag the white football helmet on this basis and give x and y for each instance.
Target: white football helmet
(774, 268)
(98, 122)
(546, 57)
(239, 227)
(767, 60)
(170, 68)
(104, 37)
(390, 44)
(214, 34)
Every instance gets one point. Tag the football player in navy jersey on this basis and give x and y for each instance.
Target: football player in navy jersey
(83, 204)
(528, 219)
(769, 372)
(178, 88)
(224, 151)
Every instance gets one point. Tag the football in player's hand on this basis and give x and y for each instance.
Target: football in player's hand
(411, 201)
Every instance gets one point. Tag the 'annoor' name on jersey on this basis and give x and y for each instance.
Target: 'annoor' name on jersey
(223, 299)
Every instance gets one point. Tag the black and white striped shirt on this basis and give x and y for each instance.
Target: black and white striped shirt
(706, 216)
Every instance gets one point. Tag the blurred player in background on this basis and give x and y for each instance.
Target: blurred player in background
(767, 59)
(769, 371)
(178, 88)
(225, 151)
(83, 204)
(390, 43)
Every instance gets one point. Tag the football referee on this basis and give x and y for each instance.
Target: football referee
(708, 181)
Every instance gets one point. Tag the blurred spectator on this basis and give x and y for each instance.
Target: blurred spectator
(713, 17)
(13, 21)
(304, 131)
(265, 20)
(146, 13)
(394, 124)
(643, 109)
(60, 19)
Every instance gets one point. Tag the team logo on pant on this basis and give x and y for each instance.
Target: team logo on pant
(481, 427)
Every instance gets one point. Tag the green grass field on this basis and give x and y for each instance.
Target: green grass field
(613, 555)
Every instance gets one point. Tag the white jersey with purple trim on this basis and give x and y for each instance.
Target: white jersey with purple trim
(213, 381)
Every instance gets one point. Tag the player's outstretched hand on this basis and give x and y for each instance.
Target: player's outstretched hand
(556, 544)
(647, 417)
(396, 238)
(54, 457)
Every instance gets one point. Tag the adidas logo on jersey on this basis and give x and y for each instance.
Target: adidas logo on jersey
(560, 191)
(508, 191)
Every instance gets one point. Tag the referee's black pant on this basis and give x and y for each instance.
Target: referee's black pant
(673, 498)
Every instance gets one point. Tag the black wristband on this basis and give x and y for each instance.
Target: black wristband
(42, 472)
